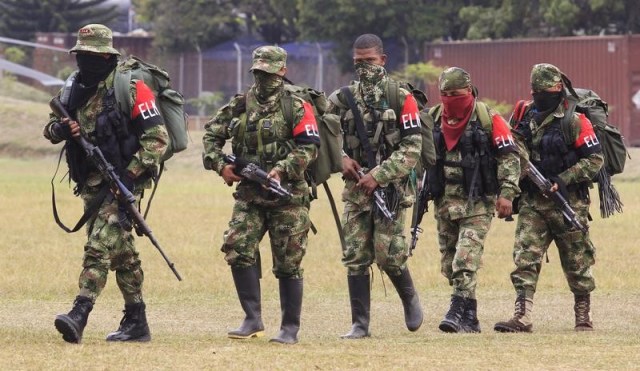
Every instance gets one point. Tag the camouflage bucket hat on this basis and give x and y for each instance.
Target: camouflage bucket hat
(545, 76)
(269, 59)
(95, 38)
(454, 78)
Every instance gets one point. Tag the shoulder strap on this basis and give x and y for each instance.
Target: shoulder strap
(483, 115)
(436, 112)
(362, 132)
(567, 120)
(286, 103)
(121, 83)
(393, 95)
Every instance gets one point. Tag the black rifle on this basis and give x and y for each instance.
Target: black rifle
(419, 209)
(544, 185)
(124, 196)
(381, 201)
(254, 173)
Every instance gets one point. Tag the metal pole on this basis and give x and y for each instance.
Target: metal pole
(238, 68)
(320, 71)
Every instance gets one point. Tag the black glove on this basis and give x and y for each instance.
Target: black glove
(61, 130)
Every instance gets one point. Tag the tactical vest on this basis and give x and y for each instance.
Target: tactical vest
(107, 128)
(551, 154)
(381, 125)
(479, 164)
(263, 142)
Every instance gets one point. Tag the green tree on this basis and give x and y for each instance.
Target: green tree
(275, 21)
(21, 19)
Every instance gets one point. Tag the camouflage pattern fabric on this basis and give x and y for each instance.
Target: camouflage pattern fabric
(269, 59)
(545, 76)
(462, 227)
(369, 238)
(95, 38)
(454, 78)
(288, 227)
(540, 223)
(108, 245)
(256, 210)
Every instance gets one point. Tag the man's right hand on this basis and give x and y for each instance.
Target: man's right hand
(229, 176)
(350, 168)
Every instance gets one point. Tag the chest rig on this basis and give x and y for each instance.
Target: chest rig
(478, 162)
(263, 139)
(381, 128)
(105, 126)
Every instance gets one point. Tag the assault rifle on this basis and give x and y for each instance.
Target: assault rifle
(419, 209)
(381, 201)
(544, 185)
(254, 173)
(125, 197)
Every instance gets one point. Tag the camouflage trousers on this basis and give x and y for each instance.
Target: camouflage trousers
(461, 246)
(535, 231)
(369, 238)
(288, 226)
(109, 247)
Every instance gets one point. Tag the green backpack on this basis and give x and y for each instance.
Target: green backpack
(614, 150)
(329, 159)
(428, 155)
(170, 102)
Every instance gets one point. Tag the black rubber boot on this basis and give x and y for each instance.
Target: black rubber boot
(470, 321)
(133, 326)
(291, 306)
(247, 283)
(72, 325)
(360, 298)
(412, 311)
(453, 318)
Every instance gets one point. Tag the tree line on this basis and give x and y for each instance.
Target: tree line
(190, 24)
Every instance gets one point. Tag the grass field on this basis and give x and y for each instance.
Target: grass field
(189, 319)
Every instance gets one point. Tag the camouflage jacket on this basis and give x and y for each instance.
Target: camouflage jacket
(400, 136)
(261, 134)
(584, 170)
(153, 139)
(455, 201)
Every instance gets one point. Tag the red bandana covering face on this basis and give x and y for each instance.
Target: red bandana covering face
(456, 109)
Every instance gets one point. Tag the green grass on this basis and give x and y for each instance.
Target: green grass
(189, 319)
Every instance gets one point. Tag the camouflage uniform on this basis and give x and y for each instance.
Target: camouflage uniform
(368, 236)
(463, 221)
(539, 220)
(109, 245)
(261, 134)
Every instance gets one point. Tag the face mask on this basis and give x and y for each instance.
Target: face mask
(457, 107)
(546, 101)
(266, 84)
(370, 75)
(94, 68)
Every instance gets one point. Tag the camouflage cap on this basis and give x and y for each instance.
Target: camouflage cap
(545, 76)
(454, 78)
(95, 38)
(269, 59)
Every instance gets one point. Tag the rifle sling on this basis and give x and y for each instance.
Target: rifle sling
(90, 210)
(362, 132)
(336, 216)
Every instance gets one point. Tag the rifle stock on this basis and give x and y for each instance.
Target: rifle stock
(109, 172)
